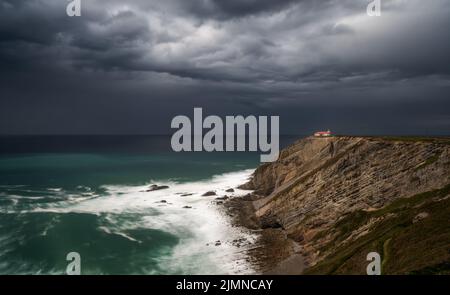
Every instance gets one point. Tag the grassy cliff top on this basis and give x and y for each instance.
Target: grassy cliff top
(434, 139)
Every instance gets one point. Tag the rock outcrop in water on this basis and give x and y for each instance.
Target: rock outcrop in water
(210, 193)
(155, 187)
(340, 198)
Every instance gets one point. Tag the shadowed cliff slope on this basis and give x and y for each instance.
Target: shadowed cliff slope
(340, 198)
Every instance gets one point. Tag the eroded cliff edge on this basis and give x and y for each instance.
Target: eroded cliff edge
(337, 199)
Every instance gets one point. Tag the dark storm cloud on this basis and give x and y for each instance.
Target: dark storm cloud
(305, 39)
(234, 8)
(122, 58)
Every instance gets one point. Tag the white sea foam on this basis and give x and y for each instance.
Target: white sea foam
(55, 189)
(198, 227)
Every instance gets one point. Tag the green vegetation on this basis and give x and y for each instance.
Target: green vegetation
(442, 140)
(410, 138)
(441, 269)
(406, 247)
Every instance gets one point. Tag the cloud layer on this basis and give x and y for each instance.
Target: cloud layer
(326, 58)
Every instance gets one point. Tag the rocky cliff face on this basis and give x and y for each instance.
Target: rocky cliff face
(328, 194)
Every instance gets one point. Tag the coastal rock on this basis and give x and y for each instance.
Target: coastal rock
(155, 187)
(186, 195)
(210, 193)
(230, 190)
(240, 242)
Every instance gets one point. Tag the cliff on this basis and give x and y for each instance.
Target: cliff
(340, 198)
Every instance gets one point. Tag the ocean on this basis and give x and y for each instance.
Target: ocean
(89, 194)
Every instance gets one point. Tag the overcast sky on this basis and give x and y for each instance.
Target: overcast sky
(129, 66)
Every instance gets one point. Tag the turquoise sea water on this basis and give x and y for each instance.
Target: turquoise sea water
(88, 195)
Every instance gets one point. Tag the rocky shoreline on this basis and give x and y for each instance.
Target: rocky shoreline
(328, 202)
(273, 252)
